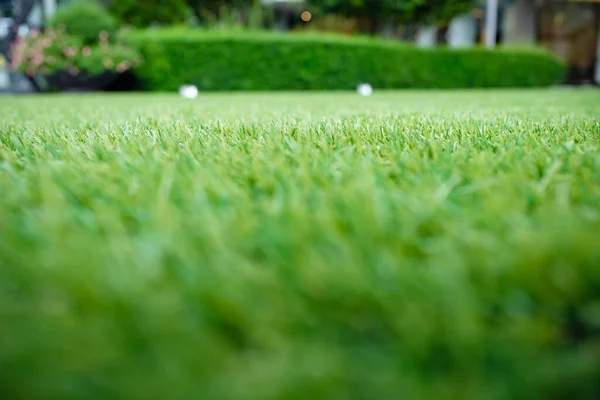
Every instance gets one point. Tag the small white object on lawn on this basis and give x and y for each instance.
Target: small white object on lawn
(364, 89)
(188, 91)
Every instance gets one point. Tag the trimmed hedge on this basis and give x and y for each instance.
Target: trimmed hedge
(216, 61)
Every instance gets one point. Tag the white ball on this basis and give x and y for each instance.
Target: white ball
(188, 91)
(364, 89)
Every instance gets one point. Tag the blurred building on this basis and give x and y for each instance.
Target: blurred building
(568, 28)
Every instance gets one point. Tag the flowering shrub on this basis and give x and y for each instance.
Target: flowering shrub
(54, 50)
(84, 19)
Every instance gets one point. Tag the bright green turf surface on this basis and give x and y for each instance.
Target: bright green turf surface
(418, 245)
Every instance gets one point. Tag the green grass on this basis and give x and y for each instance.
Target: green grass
(417, 245)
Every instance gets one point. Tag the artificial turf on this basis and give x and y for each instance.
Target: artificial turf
(408, 245)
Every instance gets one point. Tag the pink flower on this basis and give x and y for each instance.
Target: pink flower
(86, 51)
(107, 62)
(73, 71)
(35, 54)
(123, 66)
(37, 60)
(16, 62)
(103, 36)
(69, 51)
(16, 51)
(36, 50)
(46, 42)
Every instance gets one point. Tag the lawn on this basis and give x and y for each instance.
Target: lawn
(408, 245)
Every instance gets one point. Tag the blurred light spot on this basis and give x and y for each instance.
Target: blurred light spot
(306, 16)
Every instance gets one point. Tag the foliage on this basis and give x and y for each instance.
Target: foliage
(373, 10)
(143, 13)
(84, 19)
(214, 8)
(266, 61)
(442, 11)
(422, 245)
(407, 11)
(54, 50)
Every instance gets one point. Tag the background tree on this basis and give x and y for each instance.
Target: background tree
(142, 13)
(376, 12)
(442, 11)
(371, 12)
(203, 9)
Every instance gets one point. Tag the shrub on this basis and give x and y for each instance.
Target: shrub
(52, 51)
(267, 61)
(84, 19)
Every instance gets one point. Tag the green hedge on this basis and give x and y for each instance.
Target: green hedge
(269, 61)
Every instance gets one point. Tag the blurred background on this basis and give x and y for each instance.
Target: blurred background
(116, 44)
